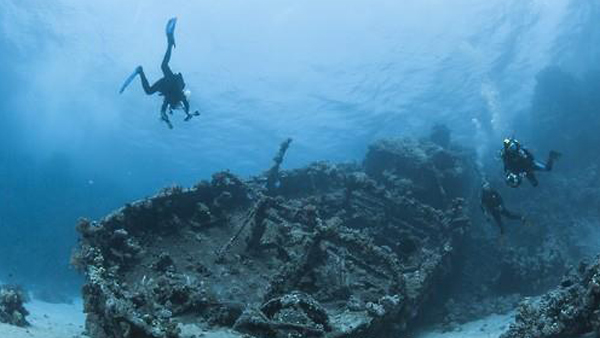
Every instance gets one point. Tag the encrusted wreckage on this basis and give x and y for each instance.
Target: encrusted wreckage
(12, 310)
(570, 310)
(321, 251)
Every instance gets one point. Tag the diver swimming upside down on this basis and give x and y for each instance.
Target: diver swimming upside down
(170, 86)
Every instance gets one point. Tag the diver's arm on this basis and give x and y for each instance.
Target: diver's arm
(163, 114)
(186, 108)
(186, 105)
(163, 108)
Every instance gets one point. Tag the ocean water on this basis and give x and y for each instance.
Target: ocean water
(333, 75)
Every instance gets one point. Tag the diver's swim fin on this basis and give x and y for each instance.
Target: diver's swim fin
(170, 30)
(129, 79)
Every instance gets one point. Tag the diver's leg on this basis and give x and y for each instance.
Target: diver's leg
(510, 215)
(532, 179)
(539, 166)
(553, 156)
(498, 219)
(147, 88)
(163, 114)
(164, 66)
(170, 44)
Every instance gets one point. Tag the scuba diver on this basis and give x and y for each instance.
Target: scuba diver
(519, 162)
(171, 86)
(493, 205)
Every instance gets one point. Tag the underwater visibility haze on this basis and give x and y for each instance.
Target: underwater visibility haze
(407, 102)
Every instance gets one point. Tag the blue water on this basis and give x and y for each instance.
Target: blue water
(333, 75)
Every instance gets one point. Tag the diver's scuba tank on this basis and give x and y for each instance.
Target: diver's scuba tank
(514, 180)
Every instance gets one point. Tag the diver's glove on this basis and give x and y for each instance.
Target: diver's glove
(189, 116)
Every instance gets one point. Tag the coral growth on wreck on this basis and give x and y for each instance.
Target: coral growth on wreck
(321, 251)
(569, 310)
(12, 310)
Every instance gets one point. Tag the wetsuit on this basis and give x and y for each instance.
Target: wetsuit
(492, 204)
(521, 162)
(170, 86)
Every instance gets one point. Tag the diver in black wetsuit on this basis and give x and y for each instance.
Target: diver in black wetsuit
(519, 162)
(493, 205)
(170, 86)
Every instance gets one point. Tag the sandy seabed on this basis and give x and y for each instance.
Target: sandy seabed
(488, 327)
(67, 321)
(49, 321)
